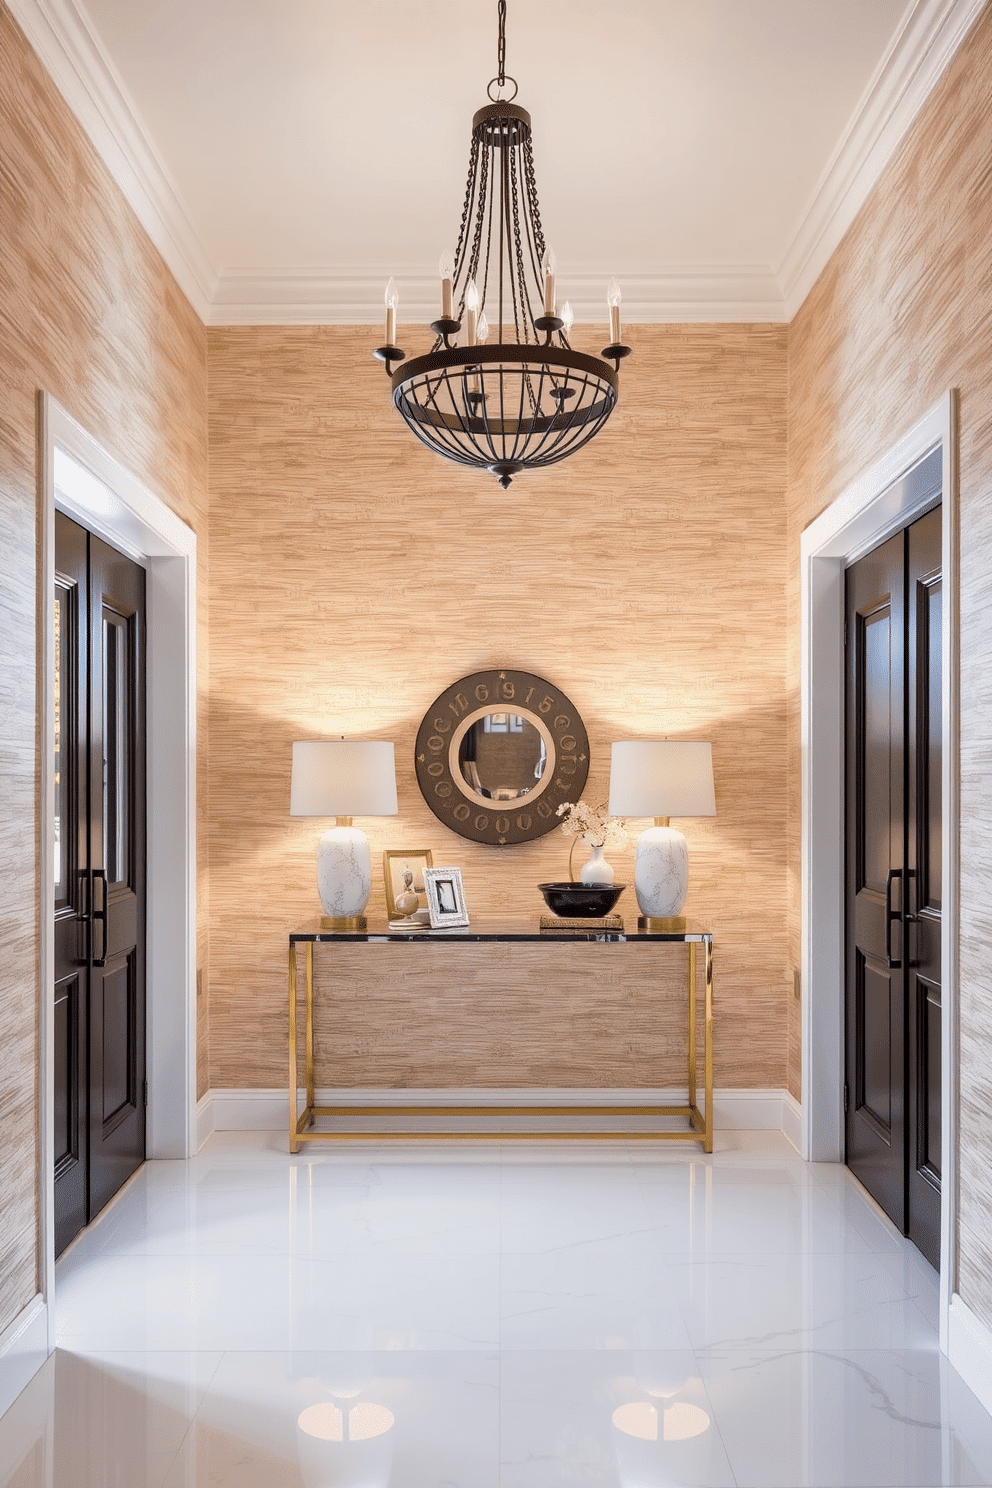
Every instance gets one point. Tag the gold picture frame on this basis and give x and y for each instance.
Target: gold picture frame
(394, 861)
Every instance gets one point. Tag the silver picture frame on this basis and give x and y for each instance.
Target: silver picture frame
(445, 898)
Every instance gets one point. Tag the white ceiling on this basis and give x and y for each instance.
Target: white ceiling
(287, 156)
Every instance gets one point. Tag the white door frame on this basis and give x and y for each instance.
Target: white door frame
(96, 490)
(870, 510)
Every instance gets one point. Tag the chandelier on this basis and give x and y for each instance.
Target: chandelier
(527, 398)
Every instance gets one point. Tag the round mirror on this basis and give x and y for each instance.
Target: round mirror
(498, 752)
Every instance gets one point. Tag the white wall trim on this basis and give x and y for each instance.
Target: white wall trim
(792, 1120)
(352, 295)
(85, 75)
(931, 33)
(268, 1110)
(23, 1350)
(95, 489)
(870, 510)
(969, 1348)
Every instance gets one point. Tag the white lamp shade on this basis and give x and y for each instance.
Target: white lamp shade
(343, 777)
(661, 777)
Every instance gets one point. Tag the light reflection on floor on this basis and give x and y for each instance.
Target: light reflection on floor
(486, 1317)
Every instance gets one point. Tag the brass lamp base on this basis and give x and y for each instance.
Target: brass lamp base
(660, 926)
(343, 923)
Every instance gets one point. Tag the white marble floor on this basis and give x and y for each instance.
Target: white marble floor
(452, 1316)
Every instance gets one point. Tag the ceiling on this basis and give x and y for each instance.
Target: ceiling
(288, 156)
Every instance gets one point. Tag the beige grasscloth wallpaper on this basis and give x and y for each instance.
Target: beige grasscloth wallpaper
(351, 576)
(903, 312)
(354, 576)
(89, 313)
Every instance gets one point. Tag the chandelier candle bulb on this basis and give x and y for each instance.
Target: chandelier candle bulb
(482, 329)
(472, 310)
(549, 265)
(613, 300)
(446, 268)
(392, 300)
(567, 317)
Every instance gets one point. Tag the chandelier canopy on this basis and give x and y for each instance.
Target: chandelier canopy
(527, 398)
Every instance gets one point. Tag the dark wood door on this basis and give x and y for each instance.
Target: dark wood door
(72, 882)
(893, 869)
(100, 875)
(875, 864)
(924, 887)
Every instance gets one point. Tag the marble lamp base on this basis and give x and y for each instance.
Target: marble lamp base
(344, 876)
(661, 873)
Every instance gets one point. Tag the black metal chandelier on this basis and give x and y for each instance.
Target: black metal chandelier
(528, 398)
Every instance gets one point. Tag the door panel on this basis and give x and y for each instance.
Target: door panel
(71, 829)
(876, 1034)
(99, 1007)
(117, 1031)
(923, 833)
(893, 868)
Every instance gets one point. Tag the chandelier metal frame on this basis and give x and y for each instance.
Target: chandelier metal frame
(528, 399)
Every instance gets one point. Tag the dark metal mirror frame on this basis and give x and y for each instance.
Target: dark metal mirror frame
(546, 707)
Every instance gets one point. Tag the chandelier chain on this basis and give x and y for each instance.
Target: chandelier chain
(501, 48)
(535, 211)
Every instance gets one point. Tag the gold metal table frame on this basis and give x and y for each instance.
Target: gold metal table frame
(700, 1121)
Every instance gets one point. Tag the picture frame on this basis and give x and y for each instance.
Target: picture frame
(394, 861)
(445, 898)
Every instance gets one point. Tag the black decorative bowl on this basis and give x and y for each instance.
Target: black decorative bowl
(581, 901)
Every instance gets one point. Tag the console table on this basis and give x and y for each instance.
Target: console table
(699, 1122)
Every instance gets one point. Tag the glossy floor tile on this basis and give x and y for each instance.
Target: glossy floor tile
(483, 1317)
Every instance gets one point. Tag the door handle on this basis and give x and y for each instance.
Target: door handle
(84, 920)
(892, 914)
(99, 915)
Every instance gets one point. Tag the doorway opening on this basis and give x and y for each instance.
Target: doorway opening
(875, 506)
(80, 478)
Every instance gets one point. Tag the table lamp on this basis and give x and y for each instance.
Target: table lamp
(343, 778)
(661, 778)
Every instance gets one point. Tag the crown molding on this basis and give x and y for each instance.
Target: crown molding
(354, 296)
(71, 52)
(931, 33)
(84, 74)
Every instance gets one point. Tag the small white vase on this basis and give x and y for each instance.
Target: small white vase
(597, 870)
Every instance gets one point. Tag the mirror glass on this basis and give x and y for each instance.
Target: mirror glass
(502, 756)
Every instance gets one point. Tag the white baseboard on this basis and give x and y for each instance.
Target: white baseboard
(23, 1350)
(792, 1121)
(969, 1348)
(268, 1110)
